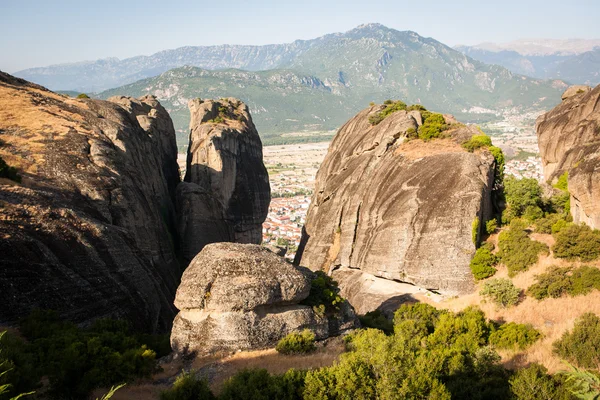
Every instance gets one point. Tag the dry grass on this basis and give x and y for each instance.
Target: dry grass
(417, 148)
(552, 317)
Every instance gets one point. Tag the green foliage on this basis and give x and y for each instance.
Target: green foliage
(78, 360)
(560, 281)
(501, 291)
(411, 133)
(534, 383)
(477, 142)
(514, 336)
(581, 346)
(544, 225)
(8, 172)
(297, 343)
(500, 161)
(482, 264)
(257, 384)
(324, 293)
(563, 182)
(559, 225)
(584, 385)
(517, 251)
(377, 320)
(6, 366)
(391, 107)
(416, 107)
(111, 392)
(83, 96)
(521, 194)
(475, 230)
(216, 120)
(188, 386)
(433, 126)
(491, 226)
(577, 241)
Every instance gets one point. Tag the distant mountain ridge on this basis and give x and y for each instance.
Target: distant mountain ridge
(318, 84)
(575, 60)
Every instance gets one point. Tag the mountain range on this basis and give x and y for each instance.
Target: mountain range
(311, 85)
(576, 61)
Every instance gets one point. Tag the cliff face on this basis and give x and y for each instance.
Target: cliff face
(400, 211)
(90, 232)
(569, 141)
(225, 194)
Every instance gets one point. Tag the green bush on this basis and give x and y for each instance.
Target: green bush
(83, 96)
(391, 107)
(560, 281)
(534, 383)
(297, 343)
(77, 360)
(324, 294)
(544, 225)
(377, 320)
(521, 194)
(257, 384)
(491, 226)
(499, 168)
(516, 250)
(501, 291)
(411, 133)
(8, 172)
(475, 230)
(577, 241)
(477, 142)
(514, 336)
(188, 386)
(433, 127)
(482, 264)
(581, 346)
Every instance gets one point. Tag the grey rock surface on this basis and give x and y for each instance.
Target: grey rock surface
(569, 141)
(90, 231)
(226, 193)
(239, 297)
(398, 210)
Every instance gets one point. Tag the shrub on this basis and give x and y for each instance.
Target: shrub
(563, 182)
(482, 264)
(491, 226)
(411, 133)
(420, 312)
(83, 96)
(477, 142)
(324, 294)
(297, 343)
(188, 386)
(391, 107)
(577, 241)
(377, 320)
(514, 336)
(501, 291)
(416, 107)
(499, 168)
(516, 250)
(581, 346)
(8, 172)
(475, 230)
(534, 383)
(583, 384)
(521, 194)
(432, 127)
(560, 281)
(544, 225)
(257, 384)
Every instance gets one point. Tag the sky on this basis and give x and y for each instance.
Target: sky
(45, 32)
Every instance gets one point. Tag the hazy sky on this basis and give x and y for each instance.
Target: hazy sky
(39, 33)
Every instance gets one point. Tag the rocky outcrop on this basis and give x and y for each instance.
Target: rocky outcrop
(90, 231)
(398, 210)
(238, 297)
(569, 141)
(225, 195)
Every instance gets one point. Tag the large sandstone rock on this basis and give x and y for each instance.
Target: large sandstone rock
(569, 141)
(238, 297)
(226, 193)
(395, 210)
(91, 231)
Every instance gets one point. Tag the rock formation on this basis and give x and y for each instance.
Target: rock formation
(90, 231)
(398, 210)
(241, 296)
(569, 141)
(225, 195)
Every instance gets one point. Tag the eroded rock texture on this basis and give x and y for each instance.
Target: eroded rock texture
(91, 230)
(569, 141)
(398, 210)
(226, 193)
(238, 297)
